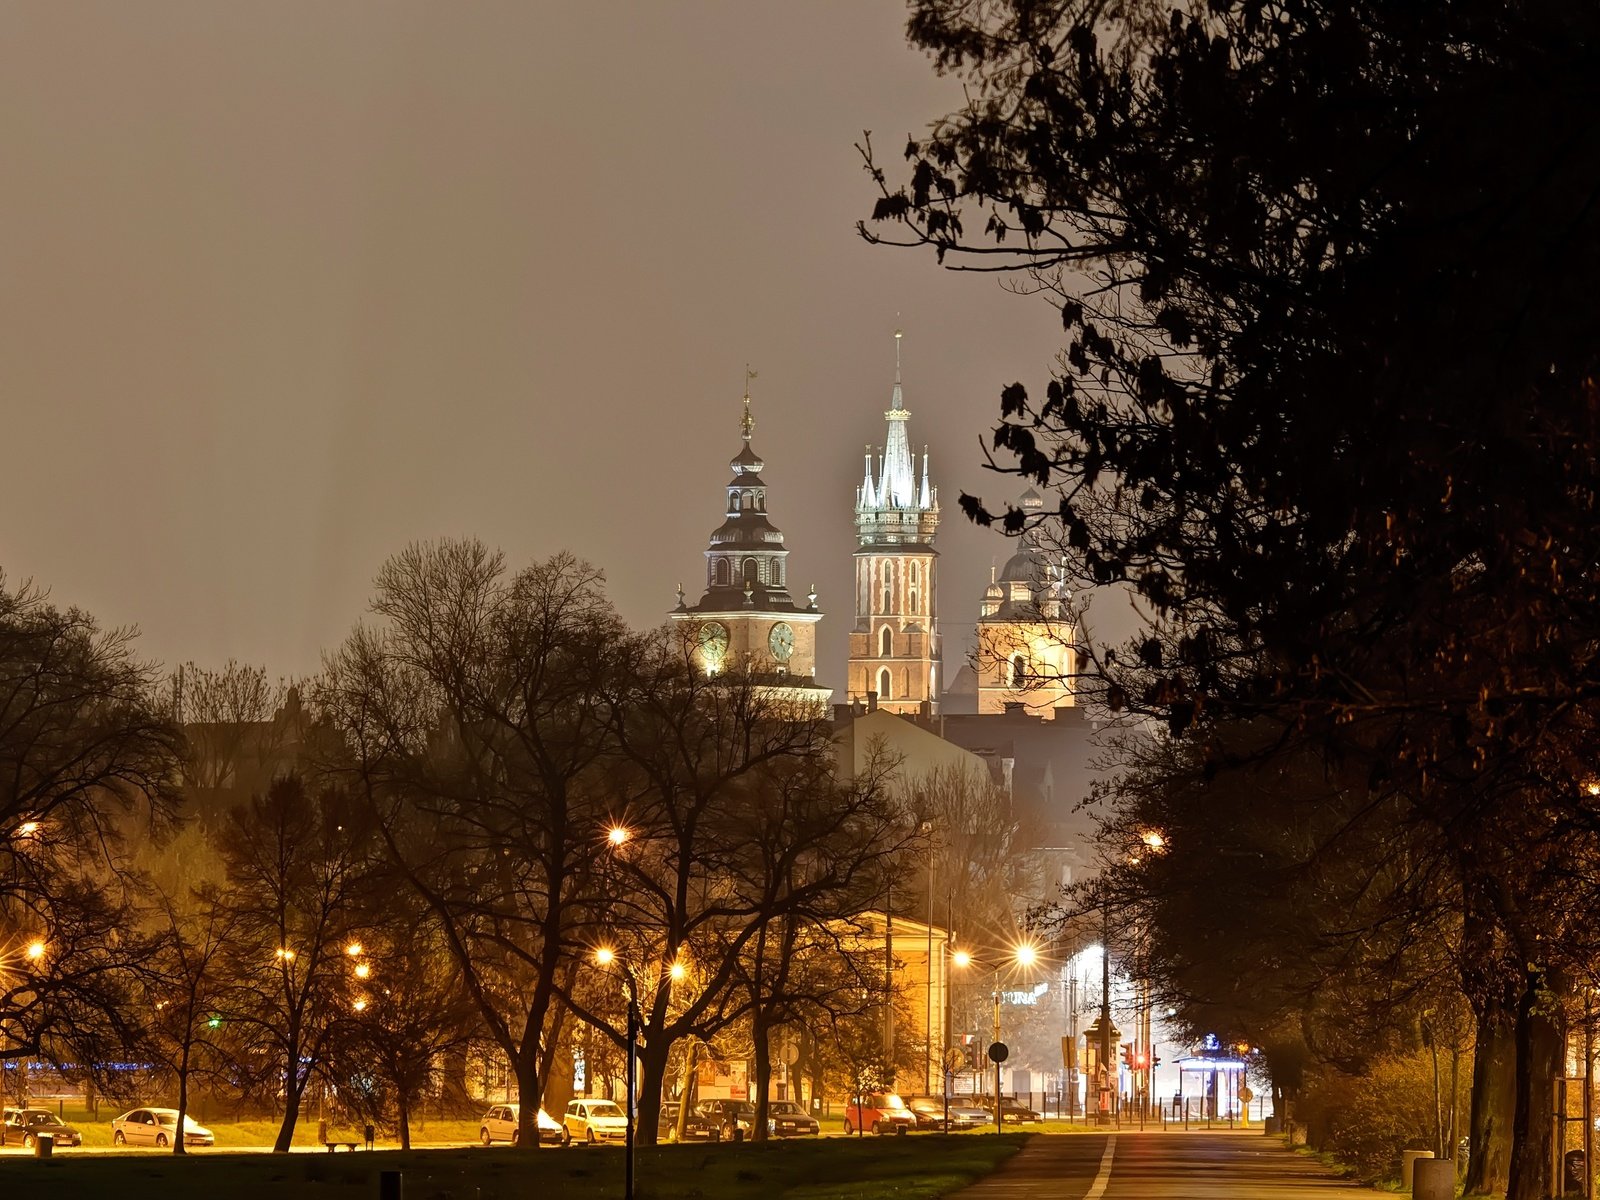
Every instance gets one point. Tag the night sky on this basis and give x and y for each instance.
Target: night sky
(286, 286)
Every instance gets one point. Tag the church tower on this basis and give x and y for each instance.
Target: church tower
(1025, 637)
(894, 647)
(746, 619)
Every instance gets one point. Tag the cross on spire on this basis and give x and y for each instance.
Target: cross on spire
(747, 423)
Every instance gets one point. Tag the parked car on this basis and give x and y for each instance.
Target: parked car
(21, 1127)
(785, 1118)
(696, 1129)
(728, 1116)
(157, 1127)
(878, 1112)
(1011, 1109)
(595, 1121)
(928, 1110)
(499, 1124)
(966, 1115)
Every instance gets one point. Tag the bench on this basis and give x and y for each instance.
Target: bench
(334, 1143)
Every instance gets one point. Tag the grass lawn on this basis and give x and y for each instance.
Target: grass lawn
(263, 1131)
(913, 1168)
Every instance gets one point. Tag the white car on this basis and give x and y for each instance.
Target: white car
(500, 1125)
(596, 1121)
(157, 1127)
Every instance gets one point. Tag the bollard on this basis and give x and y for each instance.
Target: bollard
(738, 1134)
(899, 1131)
(389, 1185)
(44, 1145)
(1408, 1161)
(1433, 1179)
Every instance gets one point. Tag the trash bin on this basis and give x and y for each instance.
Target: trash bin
(1572, 1172)
(1270, 1126)
(370, 1132)
(44, 1145)
(1408, 1159)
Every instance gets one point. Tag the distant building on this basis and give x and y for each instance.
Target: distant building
(1026, 641)
(746, 619)
(894, 645)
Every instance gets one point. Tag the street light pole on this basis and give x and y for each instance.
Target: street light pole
(633, 1080)
(1107, 1092)
(998, 1115)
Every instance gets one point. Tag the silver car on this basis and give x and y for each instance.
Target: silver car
(157, 1127)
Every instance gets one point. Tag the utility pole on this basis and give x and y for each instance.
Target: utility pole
(1107, 1067)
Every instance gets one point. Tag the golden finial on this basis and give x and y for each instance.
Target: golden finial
(747, 422)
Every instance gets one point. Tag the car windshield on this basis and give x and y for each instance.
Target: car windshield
(42, 1118)
(170, 1119)
(893, 1101)
(787, 1108)
(604, 1108)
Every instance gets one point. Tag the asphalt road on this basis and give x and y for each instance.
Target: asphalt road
(1158, 1166)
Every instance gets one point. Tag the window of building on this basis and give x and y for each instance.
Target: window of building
(913, 575)
(777, 572)
(747, 500)
(752, 572)
(883, 684)
(911, 599)
(722, 572)
(1019, 671)
(885, 642)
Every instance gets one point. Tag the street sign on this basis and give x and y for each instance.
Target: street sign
(789, 1053)
(999, 1052)
(1246, 1095)
(1069, 1052)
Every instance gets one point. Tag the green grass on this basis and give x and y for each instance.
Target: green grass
(263, 1131)
(913, 1168)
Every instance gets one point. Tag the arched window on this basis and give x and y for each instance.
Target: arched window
(722, 572)
(777, 572)
(913, 575)
(1019, 671)
(883, 684)
(747, 500)
(752, 573)
(911, 598)
(885, 642)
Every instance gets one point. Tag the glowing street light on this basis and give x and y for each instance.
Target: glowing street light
(1153, 839)
(617, 835)
(360, 1005)
(961, 959)
(677, 971)
(28, 828)
(363, 970)
(605, 956)
(36, 951)
(1026, 955)
(354, 949)
(284, 954)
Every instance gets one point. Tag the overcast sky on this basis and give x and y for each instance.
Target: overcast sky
(286, 286)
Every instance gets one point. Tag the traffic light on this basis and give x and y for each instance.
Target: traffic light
(1127, 1057)
(1155, 1060)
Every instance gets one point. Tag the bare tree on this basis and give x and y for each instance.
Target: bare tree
(476, 721)
(297, 866)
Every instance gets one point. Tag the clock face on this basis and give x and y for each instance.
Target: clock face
(781, 641)
(714, 639)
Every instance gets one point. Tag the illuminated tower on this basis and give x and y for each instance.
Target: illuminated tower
(1025, 635)
(746, 619)
(894, 647)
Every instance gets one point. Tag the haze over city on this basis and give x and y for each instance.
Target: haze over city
(285, 288)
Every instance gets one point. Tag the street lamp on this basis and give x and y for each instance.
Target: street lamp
(36, 950)
(605, 957)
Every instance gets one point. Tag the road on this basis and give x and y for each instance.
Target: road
(1158, 1166)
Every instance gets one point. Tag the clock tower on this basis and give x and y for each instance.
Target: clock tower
(894, 647)
(747, 619)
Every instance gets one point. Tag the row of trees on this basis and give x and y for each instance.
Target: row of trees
(508, 814)
(1327, 408)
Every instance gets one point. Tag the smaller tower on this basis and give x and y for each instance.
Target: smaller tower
(1025, 649)
(747, 619)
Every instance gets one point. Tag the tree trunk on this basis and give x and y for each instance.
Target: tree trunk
(183, 1101)
(758, 1130)
(1539, 1053)
(405, 1121)
(1492, 1107)
(652, 1075)
(291, 1115)
(686, 1087)
(526, 1065)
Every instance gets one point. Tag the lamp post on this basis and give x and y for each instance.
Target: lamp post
(606, 957)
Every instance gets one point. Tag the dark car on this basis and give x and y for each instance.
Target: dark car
(1011, 1110)
(696, 1129)
(928, 1110)
(785, 1118)
(728, 1117)
(21, 1127)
